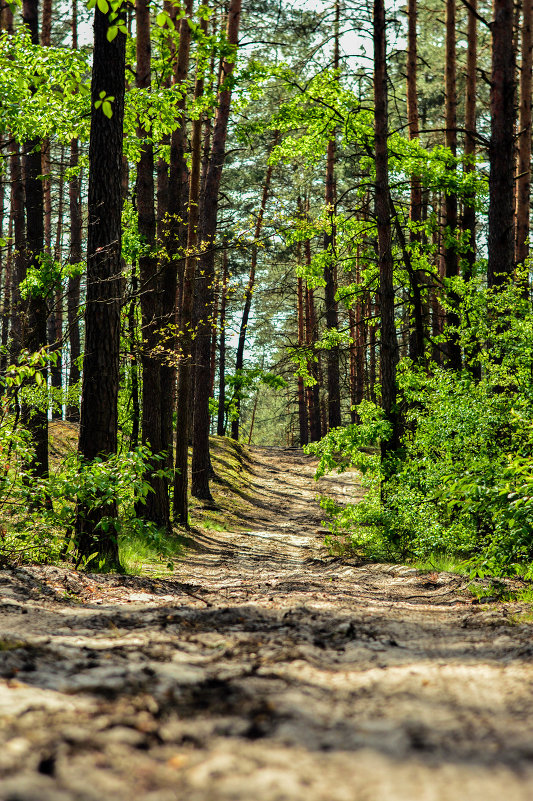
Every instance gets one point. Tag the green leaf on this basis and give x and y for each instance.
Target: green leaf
(112, 33)
(106, 108)
(103, 5)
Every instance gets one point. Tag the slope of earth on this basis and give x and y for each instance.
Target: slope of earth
(262, 671)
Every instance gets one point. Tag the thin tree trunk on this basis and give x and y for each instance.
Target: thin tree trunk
(99, 404)
(451, 256)
(181, 473)
(55, 319)
(221, 421)
(18, 315)
(469, 212)
(132, 328)
(36, 419)
(501, 241)
(156, 507)
(311, 335)
(46, 28)
(163, 171)
(372, 346)
(302, 411)
(523, 184)
(75, 256)
(248, 297)
(416, 277)
(388, 343)
(6, 299)
(73, 290)
(330, 268)
(172, 273)
(353, 364)
(201, 463)
(214, 338)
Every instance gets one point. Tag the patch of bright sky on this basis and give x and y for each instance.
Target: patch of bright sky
(356, 26)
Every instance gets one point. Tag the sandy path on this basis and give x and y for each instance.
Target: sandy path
(262, 672)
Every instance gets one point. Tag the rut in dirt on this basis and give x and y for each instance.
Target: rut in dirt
(263, 670)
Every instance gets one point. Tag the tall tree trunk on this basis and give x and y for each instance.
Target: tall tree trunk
(214, 336)
(248, 297)
(311, 336)
(99, 403)
(75, 255)
(221, 420)
(172, 273)
(156, 506)
(162, 169)
(6, 299)
(36, 419)
(73, 290)
(330, 268)
(388, 343)
(132, 331)
(46, 28)
(372, 346)
(501, 241)
(302, 411)
(201, 463)
(55, 317)
(18, 316)
(469, 212)
(523, 188)
(451, 256)
(181, 473)
(416, 277)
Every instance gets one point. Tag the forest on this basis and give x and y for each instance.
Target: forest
(302, 224)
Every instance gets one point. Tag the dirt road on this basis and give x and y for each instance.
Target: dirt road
(262, 671)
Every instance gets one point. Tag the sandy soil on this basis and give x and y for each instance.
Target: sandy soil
(264, 670)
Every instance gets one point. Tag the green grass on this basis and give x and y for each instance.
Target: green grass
(442, 563)
(137, 554)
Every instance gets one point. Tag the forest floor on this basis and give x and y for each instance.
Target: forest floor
(262, 670)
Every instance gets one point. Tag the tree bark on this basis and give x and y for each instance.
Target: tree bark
(73, 290)
(99, 412)
(451, 256)
(172, 273)
(201, 463)
(55, 317)
(416, 277)
(185, 386)
(248, 297)
(388, 343)
(35, 418)
(156, 505)
(18, 315)
(75, 256)
(302, 411)
(501, 241)
(523, 183)
(469, 212)
(330, 268)
(221, 420)
(311, 336)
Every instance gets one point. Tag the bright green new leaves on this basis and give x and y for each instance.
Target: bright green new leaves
(105, 102)
(44, 90)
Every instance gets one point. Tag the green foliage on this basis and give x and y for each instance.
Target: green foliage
(243, 382)
(461, 483)
(38, 514)
(44, 90)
